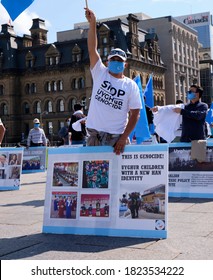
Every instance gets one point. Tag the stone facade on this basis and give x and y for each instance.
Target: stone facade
(41, 80)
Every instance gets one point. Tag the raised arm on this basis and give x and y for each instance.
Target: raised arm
(92, 41)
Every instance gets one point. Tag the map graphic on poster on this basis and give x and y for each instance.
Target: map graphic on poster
(10, 168)
(92, 191)
(187, 177)
(34, 160)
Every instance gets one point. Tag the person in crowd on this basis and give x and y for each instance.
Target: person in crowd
(193, 116)
(36, 136)
(115, 102)
(78, 137)
(64, 132)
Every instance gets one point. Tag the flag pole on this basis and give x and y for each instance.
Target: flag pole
(86, 4)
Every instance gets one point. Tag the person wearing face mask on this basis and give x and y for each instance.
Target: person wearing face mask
(36, 136)
(193, 116)
(115, 102)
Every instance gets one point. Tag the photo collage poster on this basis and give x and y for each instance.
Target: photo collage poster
(34, 160)
(10, 168)
(90, 190)
(188, 177)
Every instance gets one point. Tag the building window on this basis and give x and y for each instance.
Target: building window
(72, 102)
(81, 83)
(105, 40)
(26, 108)
(33, 88)
(74, 84)
(105, 52)
(49, 106)
(54, 86)
(38, 107)
(61, 106)
(60, 85)
(4, 109)
(1, 89)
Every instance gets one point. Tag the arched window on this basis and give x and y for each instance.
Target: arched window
(38, 107)
(60, 85)
(33, 88)
(54, 86)
(74, 84)
(26, 108)
(49, 106)
(27, 89)
(4, 109)
(72, 102)
(81, 83)
(61, 105)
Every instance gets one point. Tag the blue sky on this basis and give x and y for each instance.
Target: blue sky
(63, 14)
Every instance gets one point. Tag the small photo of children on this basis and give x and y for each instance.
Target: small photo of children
(96, 174)
(65, 174)
(95, 205)
(63, 205)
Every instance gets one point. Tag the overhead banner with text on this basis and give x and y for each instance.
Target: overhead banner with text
(92, 191)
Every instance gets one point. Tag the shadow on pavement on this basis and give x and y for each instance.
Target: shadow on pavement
(37, 244)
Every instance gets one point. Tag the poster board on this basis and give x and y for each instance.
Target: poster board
(34, 160)
(92, 191)
(187, 177)
(10, 168)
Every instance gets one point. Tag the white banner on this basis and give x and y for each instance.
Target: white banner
(90, 190)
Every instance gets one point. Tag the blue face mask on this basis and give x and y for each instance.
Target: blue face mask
(116, 67)
(191, 95)
(36, 125)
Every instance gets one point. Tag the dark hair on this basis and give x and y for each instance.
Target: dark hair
(198, 89)
(78, 106)
(179, 101)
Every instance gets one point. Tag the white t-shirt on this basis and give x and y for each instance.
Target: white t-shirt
(111, 101)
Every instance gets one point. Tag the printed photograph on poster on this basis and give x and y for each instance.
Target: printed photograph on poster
(4, 159)
(65, 174)
(31, 162)
(14, 172)
(142, 202)
(15, 159)
(63, 205)
(180, 160)
(95, 205)
(96, 174)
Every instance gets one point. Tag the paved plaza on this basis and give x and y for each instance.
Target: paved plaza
(190, 231)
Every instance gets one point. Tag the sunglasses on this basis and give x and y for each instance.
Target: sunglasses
(121, 53)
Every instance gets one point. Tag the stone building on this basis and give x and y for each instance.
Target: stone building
(179, 51)
(41, 80)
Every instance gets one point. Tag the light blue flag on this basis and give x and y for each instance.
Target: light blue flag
(209, 117)
(148, 92)
(16, 7)
(141, 130)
